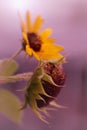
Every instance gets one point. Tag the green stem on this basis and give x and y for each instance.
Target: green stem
(16, 54)
(15, 78)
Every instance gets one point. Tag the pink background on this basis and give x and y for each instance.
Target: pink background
(68, 20)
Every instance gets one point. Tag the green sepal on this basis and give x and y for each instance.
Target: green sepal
(36, 87)
(48, 78)
(56, 61)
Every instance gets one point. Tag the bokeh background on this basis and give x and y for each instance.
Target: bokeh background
(68, 20)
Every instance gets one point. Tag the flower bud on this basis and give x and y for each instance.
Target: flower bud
(44, 86)
(58, 76)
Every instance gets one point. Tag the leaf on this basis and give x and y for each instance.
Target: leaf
(8, 67)
(10, 105)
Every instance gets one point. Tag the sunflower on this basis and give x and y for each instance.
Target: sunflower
(43, 88)
(39, 44)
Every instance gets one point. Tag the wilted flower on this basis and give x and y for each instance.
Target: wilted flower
(43, 87)
(39, 43)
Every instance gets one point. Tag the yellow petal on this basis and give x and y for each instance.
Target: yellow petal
(37, 24)
(29, 50)
(36, 55)
(50, 56)
(50, 40)
(28, 20)
(46, 33)
(23, 26)
(59, 48)
(25, 38)
(51, 48)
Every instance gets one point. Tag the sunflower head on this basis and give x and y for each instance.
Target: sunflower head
(39, 44)
(43, 87)
(34, 42)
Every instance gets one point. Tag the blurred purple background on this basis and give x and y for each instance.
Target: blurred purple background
(68, 19)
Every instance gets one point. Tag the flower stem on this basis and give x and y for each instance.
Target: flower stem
(16, 54)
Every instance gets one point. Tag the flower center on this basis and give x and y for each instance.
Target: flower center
(34, 42)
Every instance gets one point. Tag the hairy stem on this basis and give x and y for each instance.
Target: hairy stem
(15, 78)
(15, 55)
